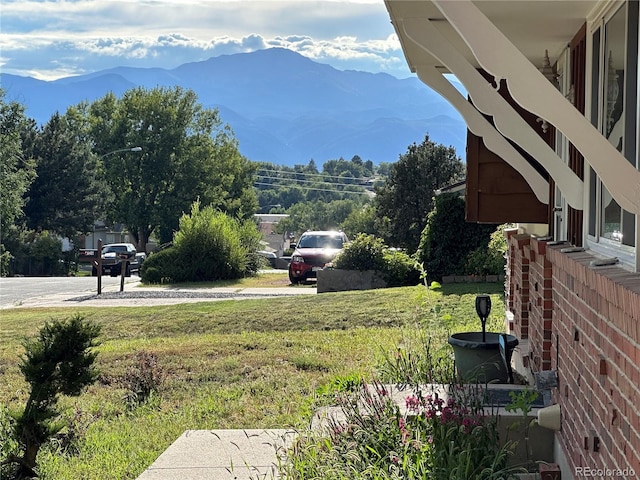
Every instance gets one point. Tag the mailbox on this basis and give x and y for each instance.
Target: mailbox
(88, 255)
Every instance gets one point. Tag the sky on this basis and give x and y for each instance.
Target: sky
(49, 39)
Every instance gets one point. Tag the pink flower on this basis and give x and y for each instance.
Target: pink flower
(413, 403)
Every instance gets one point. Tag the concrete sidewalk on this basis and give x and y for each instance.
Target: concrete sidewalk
(222, 455)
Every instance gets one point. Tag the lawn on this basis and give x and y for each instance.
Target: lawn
(227, 364)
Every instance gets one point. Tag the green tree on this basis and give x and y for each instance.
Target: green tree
(448, 238)
(58, 362)
(317, 215)
(365, 220)
(407, 196)
(187, 153)
(17, 170)
(68, 195)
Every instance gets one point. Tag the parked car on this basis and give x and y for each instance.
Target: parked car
(314, 251)
(113, 255)
(270, 257)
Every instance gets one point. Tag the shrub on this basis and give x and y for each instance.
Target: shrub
(366, 252)
(160, 267)
(143, 379)
(38, 253)
(209, 245)
(489, 260)
(58, 362)
(447, 239)
(400, 269)
(5, 260)
(9, 447)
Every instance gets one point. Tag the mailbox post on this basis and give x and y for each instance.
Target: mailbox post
(94, 257)
(124, 263)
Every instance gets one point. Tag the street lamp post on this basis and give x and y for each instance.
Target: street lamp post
(130, 149)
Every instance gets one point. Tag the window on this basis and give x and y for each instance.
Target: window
(613, 110)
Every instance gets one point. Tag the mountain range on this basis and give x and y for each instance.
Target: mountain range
(284, 108)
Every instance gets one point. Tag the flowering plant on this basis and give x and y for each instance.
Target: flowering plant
(433, 438)
(463, 435)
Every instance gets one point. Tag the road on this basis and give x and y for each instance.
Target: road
(16, 290)
(26, 292)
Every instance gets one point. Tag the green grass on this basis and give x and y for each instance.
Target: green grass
(228, 364)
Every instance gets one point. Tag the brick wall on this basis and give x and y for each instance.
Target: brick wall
(584, 322)
(517, 283)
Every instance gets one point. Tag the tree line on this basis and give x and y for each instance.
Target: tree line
(144, 159)
(140, 160)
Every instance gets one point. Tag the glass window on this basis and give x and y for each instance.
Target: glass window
(595, 104)
(613, 96)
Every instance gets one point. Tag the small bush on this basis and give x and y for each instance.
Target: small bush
(367, 252)
(5, 261)
(59, 361)
(160, 267)
(489, 260)
(9, 447)
(400, 269)
(209, 245)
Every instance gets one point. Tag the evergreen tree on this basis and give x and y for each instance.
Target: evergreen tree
(17, 170)
(58, 362)
(68, 195)
(407, 196)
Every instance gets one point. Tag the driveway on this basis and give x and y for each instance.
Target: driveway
(29, 292)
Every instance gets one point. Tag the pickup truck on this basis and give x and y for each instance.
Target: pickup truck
(113, 255)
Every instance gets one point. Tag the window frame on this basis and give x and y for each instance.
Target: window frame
(597, 42)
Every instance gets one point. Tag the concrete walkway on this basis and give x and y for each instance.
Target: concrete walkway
(241, 454)
(222, 455)
(258, 454)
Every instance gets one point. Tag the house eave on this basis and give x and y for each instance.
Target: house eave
(508, 39)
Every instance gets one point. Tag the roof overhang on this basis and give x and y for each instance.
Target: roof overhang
(509, 39)
(532, 26)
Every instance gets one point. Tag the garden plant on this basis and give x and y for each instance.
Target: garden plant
(59, 361)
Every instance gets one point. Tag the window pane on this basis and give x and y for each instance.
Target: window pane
(595, 81)
(614, 79)
(614, 118)
(592, 201)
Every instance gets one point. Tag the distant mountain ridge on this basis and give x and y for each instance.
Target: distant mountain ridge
(284, 108)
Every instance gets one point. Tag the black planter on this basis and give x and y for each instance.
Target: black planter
(478, 361)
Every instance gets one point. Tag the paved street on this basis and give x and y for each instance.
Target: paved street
(25, 292)
(16, 290)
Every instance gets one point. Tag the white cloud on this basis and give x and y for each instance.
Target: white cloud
(56, 38)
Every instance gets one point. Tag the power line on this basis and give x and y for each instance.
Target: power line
(324, 175)
(299, 180)
(303, 187)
